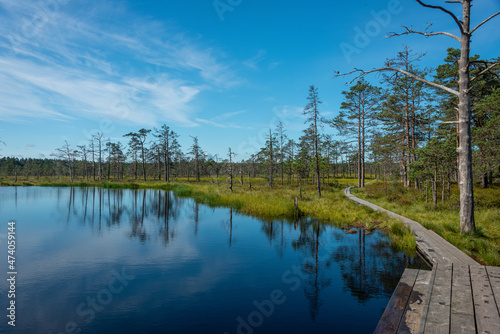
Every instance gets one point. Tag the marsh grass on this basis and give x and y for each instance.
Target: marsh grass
(271, 204)
(444, 218)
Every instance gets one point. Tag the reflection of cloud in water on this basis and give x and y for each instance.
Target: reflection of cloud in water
(210, 274)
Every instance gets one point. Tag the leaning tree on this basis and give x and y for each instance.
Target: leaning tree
(467, 223)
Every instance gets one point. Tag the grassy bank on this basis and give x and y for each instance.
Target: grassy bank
(444, 218)
(262, 202)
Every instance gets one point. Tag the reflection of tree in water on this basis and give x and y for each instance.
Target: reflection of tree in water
(269, 230)
(369, 266)
(196, 217)
(314, 265)
(160, 206)
(228, 226)
(169, 208)
(137, 229)
(97, 206)
(116, 208)
(273, 231)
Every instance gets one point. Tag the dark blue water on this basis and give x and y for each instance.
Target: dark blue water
(145, 261)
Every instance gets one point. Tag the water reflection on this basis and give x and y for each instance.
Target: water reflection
(366, 267)
(197, 268)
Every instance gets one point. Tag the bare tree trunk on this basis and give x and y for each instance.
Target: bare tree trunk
(359, 149)
(300, 186)
(270, 159)
(316, 153)
(93, 158)
(407, 131)
(143, 162)
(231, 170)
(443, 185)
(362, 158)
(467, 222)
(434, 184)
(86, 170)
(166, 163)
(448, 185)
(426, 191)
(484, 180)
(385, 183)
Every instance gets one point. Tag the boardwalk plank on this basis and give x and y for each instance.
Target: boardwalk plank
(394, 311)
(438, 317)
(487, 317)
(427, 302)
(494, 276)
(462, 307)
(462, 324)
(413, 313)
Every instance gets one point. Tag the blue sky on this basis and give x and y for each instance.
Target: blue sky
(224, 71)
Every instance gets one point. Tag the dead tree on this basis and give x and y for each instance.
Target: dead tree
(231, 154)
(98, 137)
(84, 155)
(311, 111)
(196, 152)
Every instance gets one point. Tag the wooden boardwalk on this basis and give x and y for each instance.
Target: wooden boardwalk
(457, 296)
(431, 245)
(448, 299)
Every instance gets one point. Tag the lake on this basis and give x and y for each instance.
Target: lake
(92, 260)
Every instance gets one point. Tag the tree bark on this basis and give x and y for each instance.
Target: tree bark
(434, 184)
(467, 222)
(270, 159)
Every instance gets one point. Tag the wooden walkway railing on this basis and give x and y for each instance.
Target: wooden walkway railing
(457, 296)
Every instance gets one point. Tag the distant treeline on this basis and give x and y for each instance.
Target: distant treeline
(114, 170)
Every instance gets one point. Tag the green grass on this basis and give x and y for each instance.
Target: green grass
(444, 218)
(277, 203)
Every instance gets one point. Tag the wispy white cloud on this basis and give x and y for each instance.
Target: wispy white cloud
(219, 125)
(217, 121)
(291, 116)
(78, 61)
(229, 115)
(289, 112)
(255, 60)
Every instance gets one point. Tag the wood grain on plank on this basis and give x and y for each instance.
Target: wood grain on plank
(462, 307)
(438, 317)
(397, 304)
(413, 313)
(486, 311)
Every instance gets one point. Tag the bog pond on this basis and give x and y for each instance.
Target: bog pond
(92, 260)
